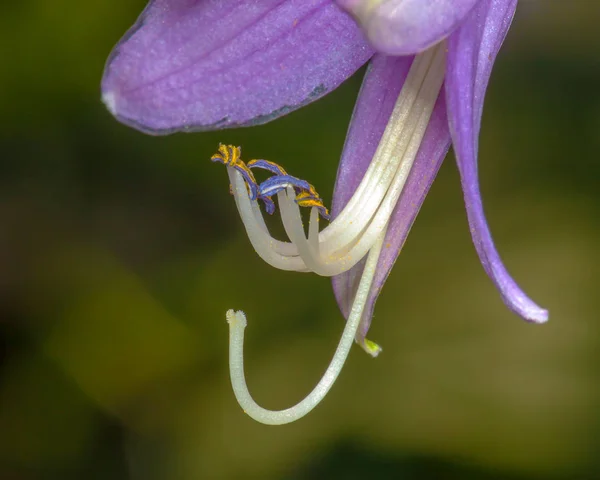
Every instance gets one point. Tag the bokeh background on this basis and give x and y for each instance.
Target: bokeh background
(120, 253)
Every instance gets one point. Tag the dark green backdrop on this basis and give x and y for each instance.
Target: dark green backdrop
(120, 253)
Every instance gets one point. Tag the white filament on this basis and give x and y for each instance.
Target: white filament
(347, 239)
(237, 324)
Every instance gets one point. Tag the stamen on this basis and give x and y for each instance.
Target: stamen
(348, 238)
(330, 255)
(237, 324)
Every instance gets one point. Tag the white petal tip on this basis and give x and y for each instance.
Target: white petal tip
(110, 100)
(539, 316)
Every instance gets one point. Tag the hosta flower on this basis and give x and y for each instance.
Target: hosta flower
(211, 64)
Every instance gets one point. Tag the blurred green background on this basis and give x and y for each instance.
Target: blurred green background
(120, 253)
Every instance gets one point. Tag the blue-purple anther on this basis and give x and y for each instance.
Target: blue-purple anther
(429, 63)
(231, 156)
(306, 195)
(267, 165)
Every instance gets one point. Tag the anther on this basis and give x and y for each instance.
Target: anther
(230, 156)
(267, 165)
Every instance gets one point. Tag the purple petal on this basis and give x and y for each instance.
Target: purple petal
(406, 27)
(202, 65)
(472, 50)
(379, 92)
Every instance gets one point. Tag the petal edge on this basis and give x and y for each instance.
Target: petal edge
(189, 65)
(472, 50)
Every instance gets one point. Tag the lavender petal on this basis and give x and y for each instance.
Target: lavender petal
(472, 50)
(205, 65)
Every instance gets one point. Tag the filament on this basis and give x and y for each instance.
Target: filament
(348, 238)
